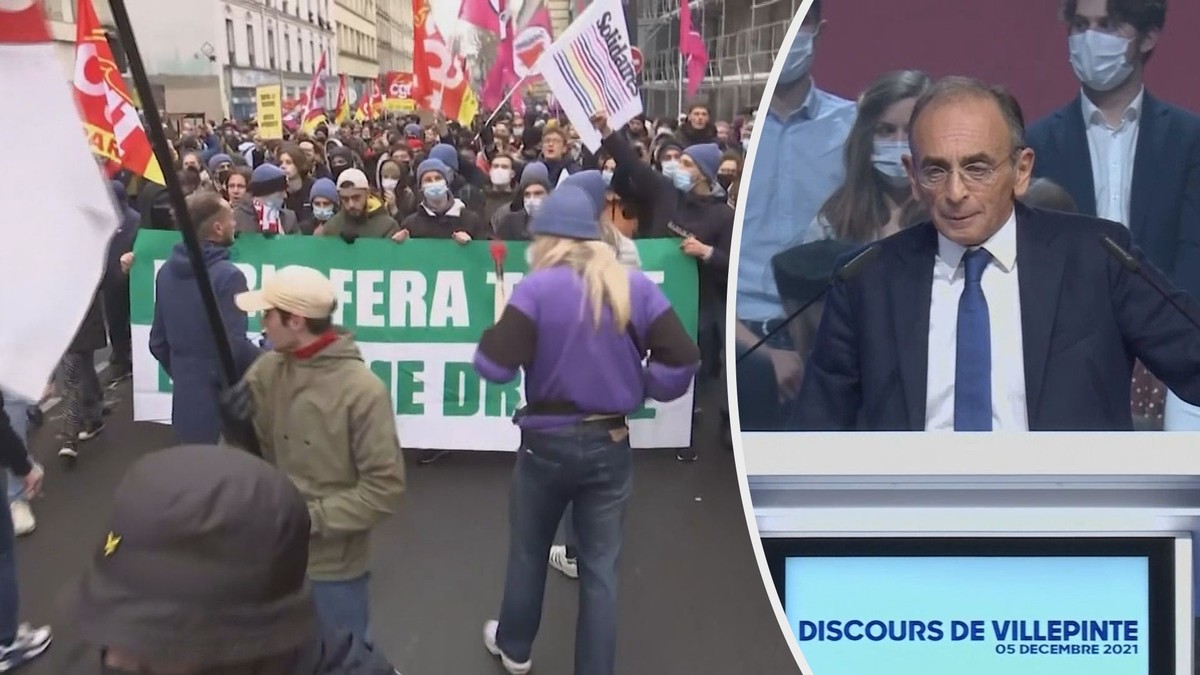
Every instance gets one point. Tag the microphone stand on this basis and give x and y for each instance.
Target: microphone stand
(846, 273)
(1134, 265)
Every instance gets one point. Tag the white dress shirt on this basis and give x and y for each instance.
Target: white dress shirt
(1002, 292)
(1113, 152)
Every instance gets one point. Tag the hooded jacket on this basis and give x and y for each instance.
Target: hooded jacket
(328, 422)
(377, 225)
(425, 223)
(181, 339)
(689, 136)
(246, 217)
(660, 206)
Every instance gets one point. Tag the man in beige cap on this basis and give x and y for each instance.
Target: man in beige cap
(362, 213)
(323, 418)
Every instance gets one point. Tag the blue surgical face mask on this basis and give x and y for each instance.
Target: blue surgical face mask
(608, 175)
(798, 61)
(887, 161)
(322, 213)
(274, 202)
(684, 181)
(669, 167)
(533, 205)
(436, 193)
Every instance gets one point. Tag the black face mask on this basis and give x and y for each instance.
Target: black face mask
(725, 180)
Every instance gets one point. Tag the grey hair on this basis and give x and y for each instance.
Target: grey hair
(957, 88)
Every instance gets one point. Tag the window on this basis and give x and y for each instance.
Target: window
(230, 42)
(287, 52)
(271, 48)
(250, 46)
(313, 49)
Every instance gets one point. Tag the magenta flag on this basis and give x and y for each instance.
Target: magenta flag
(691, 45)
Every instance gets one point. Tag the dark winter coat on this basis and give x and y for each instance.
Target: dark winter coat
(660, 206)
(181, 339)
(425, 224)
(93, 332)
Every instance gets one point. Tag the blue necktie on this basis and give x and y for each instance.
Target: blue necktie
(973, 360)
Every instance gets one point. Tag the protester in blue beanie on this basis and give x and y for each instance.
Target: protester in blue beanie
(592, 182)
(583, 376)
(324, 199)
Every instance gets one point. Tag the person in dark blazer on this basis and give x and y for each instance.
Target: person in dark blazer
(1155, 145)
(994, 316)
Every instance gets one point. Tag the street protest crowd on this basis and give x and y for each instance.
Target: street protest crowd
(309, 405)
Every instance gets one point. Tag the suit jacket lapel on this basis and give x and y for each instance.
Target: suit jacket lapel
(910, 294)
(1040, 272)
(1071, 137)
(1152, 142)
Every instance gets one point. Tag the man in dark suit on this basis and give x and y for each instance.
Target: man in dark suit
(1123, 154)
(994, 316)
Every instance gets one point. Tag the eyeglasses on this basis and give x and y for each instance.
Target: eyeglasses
(974, 175)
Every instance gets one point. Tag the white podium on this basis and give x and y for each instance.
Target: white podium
(984, 485)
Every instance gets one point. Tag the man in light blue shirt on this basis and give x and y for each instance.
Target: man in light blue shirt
(799, 165)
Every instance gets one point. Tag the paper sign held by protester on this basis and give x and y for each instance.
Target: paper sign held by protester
(590, 70)
(56, 239)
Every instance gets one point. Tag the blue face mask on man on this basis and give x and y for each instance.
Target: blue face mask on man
(798, 62)
(436, 194)
(273, 202)
(683, 179)
(322, 213)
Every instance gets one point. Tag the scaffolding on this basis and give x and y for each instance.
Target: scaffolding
(743, 38)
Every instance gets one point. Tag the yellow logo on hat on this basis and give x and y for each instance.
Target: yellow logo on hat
(110, 544)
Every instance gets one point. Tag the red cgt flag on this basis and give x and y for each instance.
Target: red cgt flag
(110, 119)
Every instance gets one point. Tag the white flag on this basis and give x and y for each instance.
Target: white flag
(590, 69)
(59, 215)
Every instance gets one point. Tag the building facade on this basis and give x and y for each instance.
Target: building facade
(182, 53)
(357, 42)
(394, 28)
(61, 16)
(273, 42)
(743, 38)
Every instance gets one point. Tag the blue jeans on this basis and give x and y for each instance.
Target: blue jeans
(344, 605)
(9, 598)
(590, 467)
(17, 411)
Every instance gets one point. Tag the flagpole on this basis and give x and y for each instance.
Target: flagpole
(680, 84)
(162, 152)
(505, 102)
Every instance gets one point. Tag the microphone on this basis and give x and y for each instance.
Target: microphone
(1135, 266)
(846, 273)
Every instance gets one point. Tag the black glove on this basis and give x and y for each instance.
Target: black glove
(349, 237)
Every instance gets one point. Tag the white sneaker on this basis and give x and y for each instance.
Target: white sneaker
(489, 641)
(28, 645)
(22, 517)
(560, 562)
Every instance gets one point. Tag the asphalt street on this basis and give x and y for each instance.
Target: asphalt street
(691, 602)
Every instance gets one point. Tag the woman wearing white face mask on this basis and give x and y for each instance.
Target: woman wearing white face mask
(501, 188)
(399, 198)
(440, 214)
(875, 201)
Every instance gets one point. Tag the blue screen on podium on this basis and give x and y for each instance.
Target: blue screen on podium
(948, 615)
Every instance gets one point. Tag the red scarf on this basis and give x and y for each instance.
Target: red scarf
(324, 340)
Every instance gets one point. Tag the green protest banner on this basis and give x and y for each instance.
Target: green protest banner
(417, 310)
